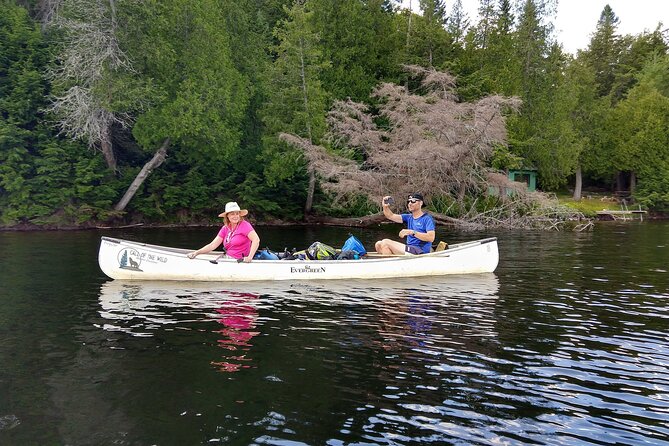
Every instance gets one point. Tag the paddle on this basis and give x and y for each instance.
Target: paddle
(215, 261)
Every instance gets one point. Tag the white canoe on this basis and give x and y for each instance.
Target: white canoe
(128, 260)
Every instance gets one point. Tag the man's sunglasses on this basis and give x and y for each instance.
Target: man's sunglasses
(413, 200)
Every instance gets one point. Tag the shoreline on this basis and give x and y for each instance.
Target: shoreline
(353, 222)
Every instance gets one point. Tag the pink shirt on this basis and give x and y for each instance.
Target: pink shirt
(237, 242)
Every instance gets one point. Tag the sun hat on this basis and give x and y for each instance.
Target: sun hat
(232, 206)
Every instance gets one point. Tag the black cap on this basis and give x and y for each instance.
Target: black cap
(415, 196)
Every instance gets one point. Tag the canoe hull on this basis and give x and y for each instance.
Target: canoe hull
(127, 260)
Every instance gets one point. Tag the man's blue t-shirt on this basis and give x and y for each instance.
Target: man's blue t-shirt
(424, 223)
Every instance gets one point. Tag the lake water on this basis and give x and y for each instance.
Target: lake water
(567, 343)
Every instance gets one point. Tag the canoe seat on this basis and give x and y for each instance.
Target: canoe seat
(441, 246)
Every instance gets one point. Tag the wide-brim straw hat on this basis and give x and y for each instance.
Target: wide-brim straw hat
(232, 206)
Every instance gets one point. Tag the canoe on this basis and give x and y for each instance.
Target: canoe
(129, 260)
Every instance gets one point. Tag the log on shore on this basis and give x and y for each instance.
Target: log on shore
(375, 219)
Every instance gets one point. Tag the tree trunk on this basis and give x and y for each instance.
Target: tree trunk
(156, 161)
(579, 184)
(310, 192)
(409, 27)
(373, 220)
(108, 150)
(305, 97)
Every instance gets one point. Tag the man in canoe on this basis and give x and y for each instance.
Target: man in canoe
(237, 235)
(420, 228)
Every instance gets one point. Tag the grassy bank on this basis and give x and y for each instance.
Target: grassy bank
(590, 204)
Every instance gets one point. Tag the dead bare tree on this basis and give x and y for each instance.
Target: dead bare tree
(90, 55)
(432, 143)
(90, 58)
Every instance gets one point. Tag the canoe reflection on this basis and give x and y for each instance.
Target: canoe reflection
(406, 313)
(140, 309)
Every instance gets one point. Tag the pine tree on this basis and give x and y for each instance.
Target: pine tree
(297, 99)
(603, 52)
(458, 23)
(543, 133)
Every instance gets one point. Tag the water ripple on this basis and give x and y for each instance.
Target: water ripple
(444, 362)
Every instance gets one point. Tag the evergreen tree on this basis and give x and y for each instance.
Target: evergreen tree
(635, 52)
(485, 25)
(543, 133)
(297, 100)
(640, 134)
(603, 52)
(615, 63)
(501, 61)
(457, 23)
(430, 39)
(360, 41)
(489, 63)
(587, 117)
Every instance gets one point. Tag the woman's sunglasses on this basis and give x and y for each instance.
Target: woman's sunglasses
(413, 200)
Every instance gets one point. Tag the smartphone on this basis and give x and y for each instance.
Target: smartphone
(389, 201)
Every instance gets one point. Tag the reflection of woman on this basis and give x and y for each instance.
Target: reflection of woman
(237, 235)
(239, 318)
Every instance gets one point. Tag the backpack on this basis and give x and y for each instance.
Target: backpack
(266, 254)
(321, 251)
(353, 244)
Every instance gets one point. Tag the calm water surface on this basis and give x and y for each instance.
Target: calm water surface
(566, 343)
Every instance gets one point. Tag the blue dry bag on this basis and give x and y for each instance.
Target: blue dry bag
(266, 254)
(353, 244)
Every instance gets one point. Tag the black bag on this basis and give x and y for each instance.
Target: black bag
(349, 254)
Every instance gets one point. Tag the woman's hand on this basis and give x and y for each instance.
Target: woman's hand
(192, 255)
(247, 259)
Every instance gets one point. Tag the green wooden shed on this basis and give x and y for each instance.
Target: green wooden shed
(527, 176)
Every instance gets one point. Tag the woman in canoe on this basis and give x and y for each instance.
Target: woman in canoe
(237, 235)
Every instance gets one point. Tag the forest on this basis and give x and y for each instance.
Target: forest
(161, 111)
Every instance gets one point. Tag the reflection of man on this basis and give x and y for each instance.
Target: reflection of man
(419, 233)
(239, 319)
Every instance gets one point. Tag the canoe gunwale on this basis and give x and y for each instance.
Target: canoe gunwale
(214, 254)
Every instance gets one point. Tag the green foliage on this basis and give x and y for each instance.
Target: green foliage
(222, 79)
(604, 51)
(543, 133)
(43, 178)
(360, 41)
(428, 44)
(296, 100)
(199, 97)
(355, 206)
(504, 159)
(639, 133)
